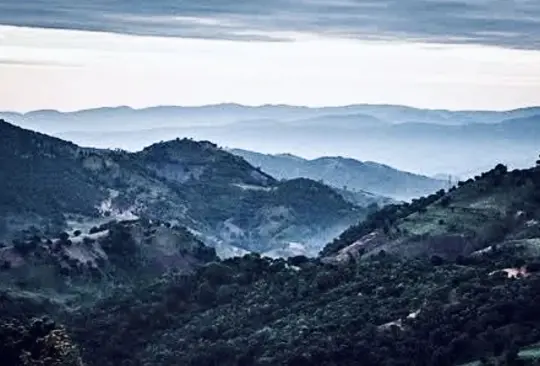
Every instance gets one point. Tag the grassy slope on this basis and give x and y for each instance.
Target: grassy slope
(498, 206)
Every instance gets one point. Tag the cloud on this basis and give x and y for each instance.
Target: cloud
(41, 63)
(505, 23)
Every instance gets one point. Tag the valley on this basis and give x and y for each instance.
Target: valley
(183, 253)
(270, 183)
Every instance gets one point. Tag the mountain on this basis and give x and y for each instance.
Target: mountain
(341, 172)
(496, 207)
(347, 121)
(417, 145)
(125, 118)
(50, 184)
(454, 281)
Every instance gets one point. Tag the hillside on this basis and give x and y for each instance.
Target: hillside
(341, 172)
(41, 178)
(383, 311)
(496, 207)
(256, 311)
(450, 279)
(76, 263)
(42, 275)
(53, 185)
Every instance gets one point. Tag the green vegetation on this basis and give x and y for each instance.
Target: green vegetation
(499, 205)
(39, 342)
(256, 311)
(38, 177)
(381, 219)
(347, 175)
(193, 183)
(447, 279)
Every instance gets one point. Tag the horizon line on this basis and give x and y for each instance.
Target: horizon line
(284, 105)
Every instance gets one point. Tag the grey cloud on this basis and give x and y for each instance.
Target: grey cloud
(506, 23)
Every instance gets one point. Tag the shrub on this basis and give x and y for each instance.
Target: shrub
(24, 247)
(436, 260)
(533, 267)
(297, 260)
(445, 201)
(226, 293)
(217, 273)
(64, 237)
(206, 294)
(39, 342)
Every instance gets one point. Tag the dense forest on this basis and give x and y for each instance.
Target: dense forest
(258, 311)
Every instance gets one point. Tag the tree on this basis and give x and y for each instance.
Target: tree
(533, 267)
(436, 260)
(511, 355)
(217, 273)
(445, 201)
(24, 247)
(297, 260)
(39, 342)
(3, 225)
(206, 294)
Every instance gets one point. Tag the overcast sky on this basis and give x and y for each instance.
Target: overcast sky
(69, 54)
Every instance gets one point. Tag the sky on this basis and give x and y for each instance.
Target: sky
(72, 54)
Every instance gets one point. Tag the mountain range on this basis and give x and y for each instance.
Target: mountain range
(128, 119)
(427, 142)
(53, 185)
(452, 278)
(184, 253)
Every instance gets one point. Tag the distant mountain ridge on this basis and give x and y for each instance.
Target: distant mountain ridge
(425, 142)
(346, 173)
(53, 121)
(47, 182)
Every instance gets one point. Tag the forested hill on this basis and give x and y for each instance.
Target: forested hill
(450, 279)
(53, 185)
(342, 172)
(496, 207)
(383, 310)
(40, 176)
